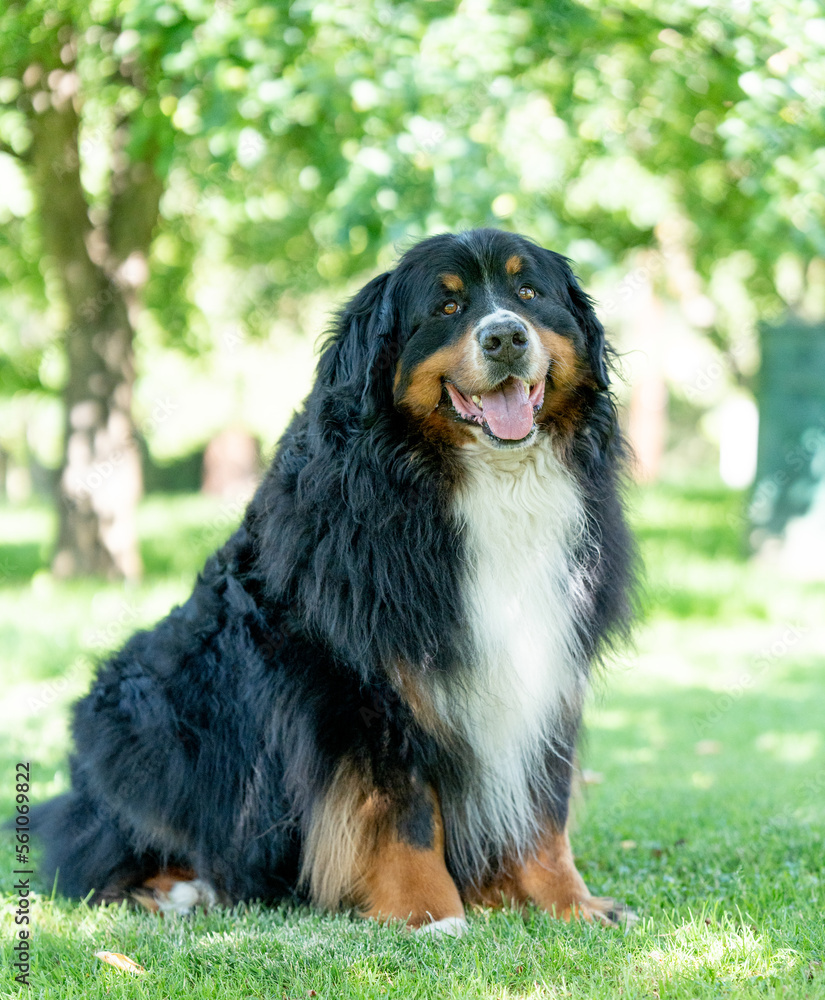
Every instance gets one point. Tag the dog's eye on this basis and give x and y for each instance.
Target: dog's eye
(526, 292)
(450, 307)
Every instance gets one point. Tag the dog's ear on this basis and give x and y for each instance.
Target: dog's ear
(360, 356)
(581, 305)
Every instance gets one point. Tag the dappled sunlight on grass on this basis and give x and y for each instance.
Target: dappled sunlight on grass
(702, 949)
(791, 748)
(286, 951)
(696, 561)
(505, 954)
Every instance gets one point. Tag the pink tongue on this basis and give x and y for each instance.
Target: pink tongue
(508, 411)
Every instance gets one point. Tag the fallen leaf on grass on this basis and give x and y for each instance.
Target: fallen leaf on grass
(121, 962)
(657, 852)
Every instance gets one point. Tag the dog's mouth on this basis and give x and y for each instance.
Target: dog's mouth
(505, 413)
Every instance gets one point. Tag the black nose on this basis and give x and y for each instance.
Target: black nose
(504, 341)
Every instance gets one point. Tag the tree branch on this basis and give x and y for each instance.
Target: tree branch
(11, 151)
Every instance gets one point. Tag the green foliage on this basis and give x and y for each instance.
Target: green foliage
(304, 144)
(337, 129)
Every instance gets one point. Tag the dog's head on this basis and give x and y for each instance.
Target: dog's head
(476, 336)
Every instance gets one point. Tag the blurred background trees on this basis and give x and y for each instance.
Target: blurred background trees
(187, 188)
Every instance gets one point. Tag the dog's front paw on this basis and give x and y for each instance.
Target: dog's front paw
(602, 910)
(177, 897)
(448, 927)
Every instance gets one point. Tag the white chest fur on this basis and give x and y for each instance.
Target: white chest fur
(521, 514)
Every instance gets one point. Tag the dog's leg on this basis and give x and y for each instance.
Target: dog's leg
(175, 890)
(406, 875)
(382, 851)
(548, 877)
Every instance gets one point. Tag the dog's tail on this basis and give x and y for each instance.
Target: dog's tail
(87, 853)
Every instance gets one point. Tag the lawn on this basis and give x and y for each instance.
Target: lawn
(703, 805)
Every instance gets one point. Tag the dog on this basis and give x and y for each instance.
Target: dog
(371, 699)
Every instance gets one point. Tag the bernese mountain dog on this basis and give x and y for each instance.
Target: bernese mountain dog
(372, 697)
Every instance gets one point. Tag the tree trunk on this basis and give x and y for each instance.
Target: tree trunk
(101, 479)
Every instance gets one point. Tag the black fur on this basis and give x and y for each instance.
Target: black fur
(207, 740)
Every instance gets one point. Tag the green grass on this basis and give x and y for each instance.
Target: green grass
(705, 810)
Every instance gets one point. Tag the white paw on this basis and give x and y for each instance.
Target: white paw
(183, 897)
(449, 926)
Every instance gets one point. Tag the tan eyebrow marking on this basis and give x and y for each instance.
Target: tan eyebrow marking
(452, 282)
(513, 265)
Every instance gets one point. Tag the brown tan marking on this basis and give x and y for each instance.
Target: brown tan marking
(419, 391)
(409, 883)
(340, 834)
(354, 857)
(569, 376)
(417, 696)
(452, 282)
(442, 429)
(549, 879)
(513, 265)
(167, 877)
